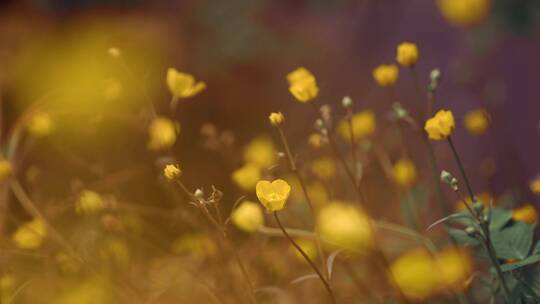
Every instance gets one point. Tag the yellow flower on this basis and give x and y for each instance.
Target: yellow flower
(30, 235)
(40, 124)
(485, 198)
(273, 195)
(89, 202)
(5, 170)
(248, 216)
(247, 176)
(7, 288)
(260, 152)
(535, 186)
(308, 246)
(363, 124)
(183, 85)
(196, 244)
(172, 171)
(464, 13)
(407, 54)
(440, 126)
(415, 274)
(386, 75)
(302, 84)
(323, 168)
(276, 119)
(454, 268)
(404, 173)
(315, 140)
(162, 132)
(476, 122)
(344, 226)
(89, 291)
(526, 214)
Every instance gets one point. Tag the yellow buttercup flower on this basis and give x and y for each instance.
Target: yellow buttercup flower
(386, 75)
(363, 124)
(162, 132)
(414, 273)
(535, 186)
(407, 54)
(323, 167)
(172, 171)
(315, 140)
(89, 202)
(276, 118)
(344, 226)
(308, 246)
(248, 216)
(302, 84)
(526, 214)
(260, 152)
(40, 124)
(404, 173)
(464, 13)
(476, 122)
(5, 170)
(30, 235)
(454, 268)
(273, 195)
(247, 176)
(440, 126)
(183, 85)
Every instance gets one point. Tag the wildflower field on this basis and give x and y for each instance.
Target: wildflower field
(269, 152)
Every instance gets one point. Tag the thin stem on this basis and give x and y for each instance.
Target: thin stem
(306, 257)
(461, 169)
(353, 142)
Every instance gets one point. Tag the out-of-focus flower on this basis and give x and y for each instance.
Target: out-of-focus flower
(407, 54)
(386, 75)
(89, 202)
(323, 167)
(114, 52)
(196, 244)
(276, 118)
(535, 186)
(7, 288)
(526, 214)
(440, 126)
(485, 198)
(363, 124)
(247, 176)
(464, 13)
(30, 235)
(115, 251)
(308, 246)
(315, 140)
(172, 171)
(454, 268)
(5, 170)
(404, 173)
(162, 132)
(248, 216)
(415, 274)
(302, 85)
(273, 195)
(260, 152)
(476, 122)
(90, 291)
(40, 124)
(183, 85)
(344, 226)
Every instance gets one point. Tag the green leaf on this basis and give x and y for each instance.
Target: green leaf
(499, 218)
(528, 261)
(462, 237)
(514, 241)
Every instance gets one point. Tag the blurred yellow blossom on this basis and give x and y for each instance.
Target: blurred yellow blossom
(115, 251)
(162, 132)
(172, 171)
(247, 176)
(535, 186)
(302, 84)
(344, 226)
(464, 13)
(386, 75)
(89, 202)
(440, 126)
(90, 291)
(260, 152)
(276, 118)
(363, 124)
(404, 173)
(526, 214)
(476, 122)
(485, 198)
(415, 274)
(30, 235)
(315, 140)
(323, 167)
(248, 216)
(7, 288)
(40, 124)
(407, 54)
(273, 195)
(5, 170)
(308, 246)
(114, 52)
(196, 244)
(454, 268)
(183, 85)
